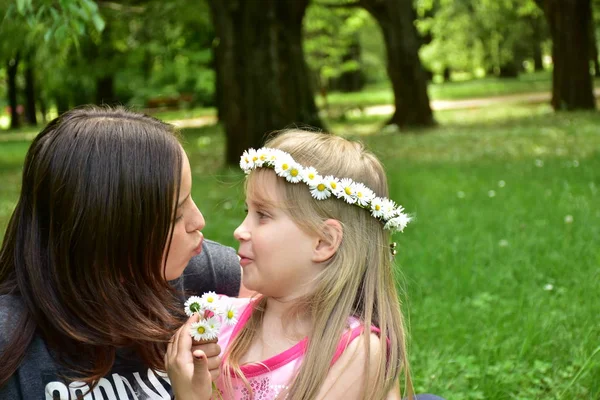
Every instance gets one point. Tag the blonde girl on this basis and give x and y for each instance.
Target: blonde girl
(315, 244)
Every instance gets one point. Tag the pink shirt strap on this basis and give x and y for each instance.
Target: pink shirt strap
(347, 338)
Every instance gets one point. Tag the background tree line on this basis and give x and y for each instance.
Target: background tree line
(261, 62)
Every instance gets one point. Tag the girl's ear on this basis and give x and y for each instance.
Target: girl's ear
(329, 242)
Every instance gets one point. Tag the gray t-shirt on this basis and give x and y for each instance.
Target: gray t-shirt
(217, 268)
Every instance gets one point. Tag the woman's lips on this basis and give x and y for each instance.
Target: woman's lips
(198, 249)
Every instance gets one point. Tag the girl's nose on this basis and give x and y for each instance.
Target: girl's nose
(241, 233)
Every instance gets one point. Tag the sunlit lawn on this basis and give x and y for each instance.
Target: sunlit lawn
(501, 268)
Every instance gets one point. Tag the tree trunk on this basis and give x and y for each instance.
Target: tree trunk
(43, 109)
(105, 92)
(396, 19)
(350, 81)
(262, 76)
(30, 92)
(509, 70)
(538, 62)
(538, 35)
(569, 23)
(62, 103)
(11, 72)
(218, 94)
(593, 48)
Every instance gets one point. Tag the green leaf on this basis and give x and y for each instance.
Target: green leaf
(21, 5)
(99, 23)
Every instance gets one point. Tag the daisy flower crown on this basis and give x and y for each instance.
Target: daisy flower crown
(323, 187)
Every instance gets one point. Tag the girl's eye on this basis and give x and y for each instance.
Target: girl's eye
(262, 214)
(178, 218)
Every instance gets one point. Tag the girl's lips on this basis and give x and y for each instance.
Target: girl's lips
(245, 261)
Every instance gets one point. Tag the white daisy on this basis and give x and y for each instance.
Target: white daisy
(397, 223)
(276, 154)
(246, 161)
(230, 315)
(389, 209)
(310, 176)
(377, 207)
(320, 191)
(364, 195)
(201, 330)
(347, 191)
(193, 305)
(214, 323)
(399, 211)
(295, 173)
(333, 184)
(210, 302)
(263, 156)
(283, 165)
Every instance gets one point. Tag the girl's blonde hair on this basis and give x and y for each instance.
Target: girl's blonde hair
(357, 281)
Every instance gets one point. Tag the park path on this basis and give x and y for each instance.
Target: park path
(384, 109)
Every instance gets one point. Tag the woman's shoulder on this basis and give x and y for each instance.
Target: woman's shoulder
(11, 308)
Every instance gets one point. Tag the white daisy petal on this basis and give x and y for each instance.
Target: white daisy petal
(283, 165)
(295, 173)
(310, 176)
(230, 315)
(192, 305)
(333, 184)
(263, 156)
(347, 191)
(320, 191)
(201, 330)
(246, 162)
(389, 209)
(377, 207)
(364, 195)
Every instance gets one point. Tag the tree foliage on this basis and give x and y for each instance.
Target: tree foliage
(478, 35)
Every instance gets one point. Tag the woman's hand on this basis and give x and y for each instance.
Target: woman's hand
(191, 368)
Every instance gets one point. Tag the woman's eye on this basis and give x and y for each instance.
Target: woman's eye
(178, 218)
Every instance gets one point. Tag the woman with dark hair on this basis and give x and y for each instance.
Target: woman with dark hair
(91, 264)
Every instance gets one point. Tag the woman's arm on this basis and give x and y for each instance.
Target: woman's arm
(346, 379)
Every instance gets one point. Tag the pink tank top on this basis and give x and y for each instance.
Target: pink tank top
(270, 377)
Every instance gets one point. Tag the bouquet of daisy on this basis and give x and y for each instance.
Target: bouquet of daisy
(212, 314)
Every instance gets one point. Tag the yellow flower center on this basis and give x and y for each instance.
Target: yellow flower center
(230, 314)
(311, 176)
(348, 190)
(284, 167)
(201, 330)
(377, 207)
(263, 157)
(359, 194)
(294, 172)
(254, 158)
(210, 300)
(320, 187)
(333, 185)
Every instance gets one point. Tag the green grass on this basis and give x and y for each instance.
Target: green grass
(475, 88)
(501, 266)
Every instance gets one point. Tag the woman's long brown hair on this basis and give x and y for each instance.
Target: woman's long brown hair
(84, 247)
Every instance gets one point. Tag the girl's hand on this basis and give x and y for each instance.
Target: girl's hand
(191, 369)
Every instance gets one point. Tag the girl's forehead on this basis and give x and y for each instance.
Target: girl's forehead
(264, 187)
